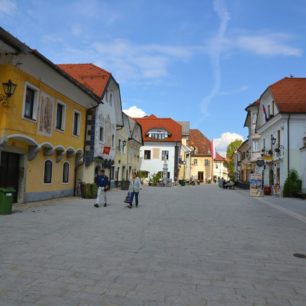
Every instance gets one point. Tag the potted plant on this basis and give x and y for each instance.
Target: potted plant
(267, 190)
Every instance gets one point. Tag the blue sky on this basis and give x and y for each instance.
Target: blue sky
(201, 61)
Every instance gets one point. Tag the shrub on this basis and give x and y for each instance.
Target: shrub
(90, 191)
(156, 178)
(292, 184)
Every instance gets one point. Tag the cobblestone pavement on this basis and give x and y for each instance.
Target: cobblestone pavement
(192, 245)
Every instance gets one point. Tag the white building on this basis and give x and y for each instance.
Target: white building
(101, 122)
(220, 169)
(162, 140)
(281, 123)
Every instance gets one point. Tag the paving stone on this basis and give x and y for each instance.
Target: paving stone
(192, 245)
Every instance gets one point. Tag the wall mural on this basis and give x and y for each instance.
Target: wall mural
(45, 114)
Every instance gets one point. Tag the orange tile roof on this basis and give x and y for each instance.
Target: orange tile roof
(200, 142)
(152, 122)
(90, 75)
(219, 157)
(290, 95)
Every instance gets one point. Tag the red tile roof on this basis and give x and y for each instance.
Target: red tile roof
(219, 158)
(90, 75)
(152, 122)
(200, 142)
(290, 95)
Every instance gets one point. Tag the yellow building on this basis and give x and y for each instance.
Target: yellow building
(42, 124)
(201, 159)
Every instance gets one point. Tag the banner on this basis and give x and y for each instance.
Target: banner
(106, 150)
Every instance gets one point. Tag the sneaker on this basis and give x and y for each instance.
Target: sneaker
(129, 206)
(105, 204)
(136, 205)
(96, 205)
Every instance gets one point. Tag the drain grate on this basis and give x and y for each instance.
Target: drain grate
(299, 255)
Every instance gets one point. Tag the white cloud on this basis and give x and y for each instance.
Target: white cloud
(268, 44)
(224, 140)
(216, 48)
(132, 61)
(135, 112)
(7, 7)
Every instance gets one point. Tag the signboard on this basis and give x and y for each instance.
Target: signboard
(255, 185)
(106, 150)
(268, 157)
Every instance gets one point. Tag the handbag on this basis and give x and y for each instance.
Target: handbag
(128, 198)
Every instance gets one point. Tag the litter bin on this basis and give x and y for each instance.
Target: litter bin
(6, 200)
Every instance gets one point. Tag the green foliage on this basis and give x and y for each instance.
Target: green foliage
(292, 184)
(90, 191)
(143, 174)
(156, 178)
(231, 149)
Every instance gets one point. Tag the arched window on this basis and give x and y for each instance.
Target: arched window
(66, 172)
(48, 172)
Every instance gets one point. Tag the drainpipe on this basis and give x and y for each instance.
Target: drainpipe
(288, 144)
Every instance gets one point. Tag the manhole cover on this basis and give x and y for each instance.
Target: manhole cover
(299, 255)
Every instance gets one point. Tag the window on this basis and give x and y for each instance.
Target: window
(158, 134)
(254, 118)
(269, 111)
(278, 138)
(101, 134)
(76, 123)
(273, 108)
(119, 145)
(110, 99)
(147, 154)
(60, 116)
(30, 103)
(264, 144)
(113, 140)
(48, 172)
(206, 162)
(195, 162)
(165, 155)
(255, 146)
(66, 172)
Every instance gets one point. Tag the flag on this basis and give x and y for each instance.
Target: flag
(264, 110)
(212, 149)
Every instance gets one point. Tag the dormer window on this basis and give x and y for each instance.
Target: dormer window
(158, 134)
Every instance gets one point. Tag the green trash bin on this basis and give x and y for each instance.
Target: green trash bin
(6, 200)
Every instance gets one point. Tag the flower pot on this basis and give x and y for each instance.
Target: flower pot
(267, 190)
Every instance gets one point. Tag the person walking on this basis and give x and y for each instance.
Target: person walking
(103, 186)
(134, 188)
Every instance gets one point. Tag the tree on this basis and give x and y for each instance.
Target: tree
(231, 149)
(292, 184)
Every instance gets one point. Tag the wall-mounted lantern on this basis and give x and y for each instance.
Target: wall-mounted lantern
(9, 89)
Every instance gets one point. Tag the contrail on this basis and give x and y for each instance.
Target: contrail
(215, 53)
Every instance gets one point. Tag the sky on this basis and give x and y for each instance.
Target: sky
(201, 61)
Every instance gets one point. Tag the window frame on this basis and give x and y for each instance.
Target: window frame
(101, 134)
(79, 123)
(35, 101)
(167, 154)
(63, 123)
(45, 181)
(63, 177)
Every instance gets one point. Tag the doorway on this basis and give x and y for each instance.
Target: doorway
(201, 176)
(9, 172)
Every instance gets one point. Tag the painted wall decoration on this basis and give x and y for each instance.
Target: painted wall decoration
(45, 114)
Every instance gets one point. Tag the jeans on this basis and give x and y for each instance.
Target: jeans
(136, 197)
(101, 194)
